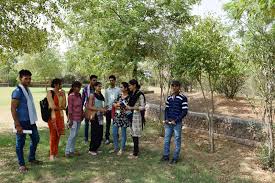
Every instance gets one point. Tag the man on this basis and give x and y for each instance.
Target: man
(111, 94)
(24, 115)
(87, 91)
(176, 109)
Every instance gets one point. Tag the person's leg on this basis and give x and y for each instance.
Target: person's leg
(93, 135)
(100, 136)
(57, 143)
(136, 148)
(115, 137)
(123, 138)
(167, 140)
(86, 130)
(34, 142)
(177, 140)
(20, 143)
(71, 138)
(53, 135)
(76, 133)
(108, 124)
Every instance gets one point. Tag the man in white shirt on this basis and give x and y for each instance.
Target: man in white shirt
(111, 94)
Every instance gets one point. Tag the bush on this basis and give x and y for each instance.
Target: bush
(264, 160)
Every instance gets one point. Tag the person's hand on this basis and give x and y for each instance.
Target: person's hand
(62, 93)
(128, 107)
(19, 129)
(173, 122)
(103, 110)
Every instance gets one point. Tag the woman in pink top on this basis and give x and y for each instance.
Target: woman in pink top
(75, 116)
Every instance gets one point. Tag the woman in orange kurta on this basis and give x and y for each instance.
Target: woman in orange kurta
(57, 103)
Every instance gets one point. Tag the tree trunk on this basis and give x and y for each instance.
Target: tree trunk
(211, 122)
(135, 74)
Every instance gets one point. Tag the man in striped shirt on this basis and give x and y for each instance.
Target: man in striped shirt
(176, 109)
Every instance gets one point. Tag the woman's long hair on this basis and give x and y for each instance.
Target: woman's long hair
(76, 84)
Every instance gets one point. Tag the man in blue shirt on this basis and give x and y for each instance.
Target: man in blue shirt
(21, 117)
(176, 109)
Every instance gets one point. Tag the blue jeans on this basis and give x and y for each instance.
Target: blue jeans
(123, 137)
(72, 137)
(20, 142)
(86, 132)
(169, 129)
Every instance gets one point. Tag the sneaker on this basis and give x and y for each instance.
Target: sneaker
(36, 162)
(68, 155)
(120, 152)
(92, 153)
(23, 169)
(107, 142)
(74, 154)
(164, 159)
(173, 161)
(86, 142)
(113, 151)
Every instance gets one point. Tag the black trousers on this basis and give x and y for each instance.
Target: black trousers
(136, 148)
(108, 124)
(96, 135)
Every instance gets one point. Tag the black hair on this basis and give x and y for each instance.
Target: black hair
(125, 85)
(175, 83)
(24, 72)
(97, 83)
(112, 77)
(76, 84)
(56, 81)
(93, 76)
(134, 82)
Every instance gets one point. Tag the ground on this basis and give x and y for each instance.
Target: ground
(230, 163)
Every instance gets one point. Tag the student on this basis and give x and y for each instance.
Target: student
(136, 104)
(57, 103)
(176, 109)
(121, 119)
(111, 94)
(75, 116)
(96, 106)
(87, 91)
(24, 115)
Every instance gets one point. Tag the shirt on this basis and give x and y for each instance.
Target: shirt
(176, 107)
(22, 108)
(85, 94)
(75, 109)
(111, 94)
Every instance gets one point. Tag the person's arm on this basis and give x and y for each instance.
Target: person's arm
(166, 110)
(91, 104)
(184, 108)
(70, 107)
(83, 96)
(63, 105)
(106, 98)
(51, 101)
(14, 105)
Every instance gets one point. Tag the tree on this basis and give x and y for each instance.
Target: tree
(200, 52)
(255, 20)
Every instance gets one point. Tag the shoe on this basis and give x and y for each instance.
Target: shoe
(113, 151)
(173, 161)
(74, 154)
(164, 159)
(92, 153)
(133, 156)
(107, 142)
(86, 142)
(23, 169)
(120, 152)
(36, 162)
(68, 155)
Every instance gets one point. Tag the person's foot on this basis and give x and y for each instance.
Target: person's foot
(23, 169)
(133, 156)
(52, 158)
(85, 142)
(74, 154)
(173, 161)
(92, 153)
(107, 142)
(120, 152)
(36, 162)
(164, 159)
(113, 151)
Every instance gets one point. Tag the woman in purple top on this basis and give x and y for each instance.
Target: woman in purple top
(75, 116)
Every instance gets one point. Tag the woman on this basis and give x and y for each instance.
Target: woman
(57, 103)
(75, 116)
(136, 104)
(121, 119)
(95, 106)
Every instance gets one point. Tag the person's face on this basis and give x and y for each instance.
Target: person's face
(175, 88)
(122, 88)
(98, 88)
(58, 86)
(93, 81)
(26, 80)
(112, 81)
(132, 87)
(77, 89)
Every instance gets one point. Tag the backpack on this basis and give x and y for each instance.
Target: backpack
(44, 107)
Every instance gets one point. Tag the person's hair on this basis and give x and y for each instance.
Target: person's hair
(125, 85)
(175, 83)
(76, 84)
(112, 77)
(93, 76)
(24, 72)
(56, 81)
(97, 83)
(134, 82)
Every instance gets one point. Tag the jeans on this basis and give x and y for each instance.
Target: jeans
(169, 129)
(86, 130)
(108, 124)
(20, 142)
(72, 137)
(123, 138)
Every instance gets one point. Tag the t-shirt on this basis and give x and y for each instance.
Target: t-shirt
(22, 108)
(111, 94)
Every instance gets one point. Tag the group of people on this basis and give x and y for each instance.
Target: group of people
(122, 107)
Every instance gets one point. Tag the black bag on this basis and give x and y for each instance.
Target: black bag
(44, 107)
